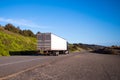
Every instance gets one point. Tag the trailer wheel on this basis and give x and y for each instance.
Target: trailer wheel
(66, 52)
(56, 53)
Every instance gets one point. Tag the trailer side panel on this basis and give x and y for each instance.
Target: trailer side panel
(58, 43)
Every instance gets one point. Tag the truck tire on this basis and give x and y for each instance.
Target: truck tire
(66, 52)
(56, 53)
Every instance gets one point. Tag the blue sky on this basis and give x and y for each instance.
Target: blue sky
(78, 21)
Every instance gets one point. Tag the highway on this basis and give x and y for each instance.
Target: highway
(75, 66)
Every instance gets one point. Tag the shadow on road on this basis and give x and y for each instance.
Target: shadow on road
(25, 53)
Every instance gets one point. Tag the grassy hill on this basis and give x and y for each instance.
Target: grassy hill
(77, 47)
(14, 42)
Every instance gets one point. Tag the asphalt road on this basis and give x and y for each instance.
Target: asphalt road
(77, 66)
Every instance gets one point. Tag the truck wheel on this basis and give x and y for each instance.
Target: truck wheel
(66, 52)
(56, 53)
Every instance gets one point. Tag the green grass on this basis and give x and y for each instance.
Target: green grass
(14, 42)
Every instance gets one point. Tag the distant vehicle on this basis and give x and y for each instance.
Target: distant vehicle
(49, 43)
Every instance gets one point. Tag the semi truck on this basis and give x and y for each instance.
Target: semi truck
(51, 44)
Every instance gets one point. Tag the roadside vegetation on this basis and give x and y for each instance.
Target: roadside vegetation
(77, 47)
(15, 39)
(109, 50)
(17, 30)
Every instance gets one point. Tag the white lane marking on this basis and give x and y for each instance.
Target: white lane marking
(20, 61)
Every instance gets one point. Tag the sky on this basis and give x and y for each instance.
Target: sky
(78, 21)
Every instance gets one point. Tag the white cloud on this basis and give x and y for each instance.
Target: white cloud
(22, 22)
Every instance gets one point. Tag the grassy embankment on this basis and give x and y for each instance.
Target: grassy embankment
(75, 48)
(14, 42)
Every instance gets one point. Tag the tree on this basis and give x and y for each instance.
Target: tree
(14, 29)
(28, 33)
(11, 28)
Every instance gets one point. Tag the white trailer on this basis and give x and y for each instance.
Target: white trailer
(49, 43)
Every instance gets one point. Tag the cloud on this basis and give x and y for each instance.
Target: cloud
(22, 22)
